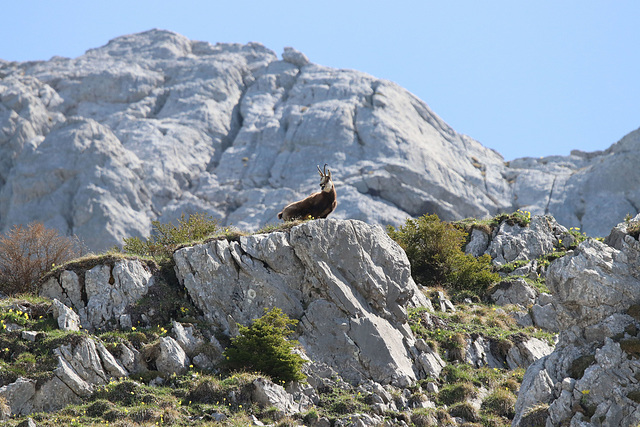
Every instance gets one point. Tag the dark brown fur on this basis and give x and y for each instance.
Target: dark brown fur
(317, 205)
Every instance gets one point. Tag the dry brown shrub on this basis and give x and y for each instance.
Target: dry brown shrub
(26, 253)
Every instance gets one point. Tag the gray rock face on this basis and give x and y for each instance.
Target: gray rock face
(104, 294)
(18, 394)
(587, 190)
(428, 359)
(524, 353)
(514, 291)
(152, 125)
(81, 367)
(535, 308)
(515, 243)
(267, 394)
(67, 319)
(172, 358)
(346, 281)
(594, 282)
(595, 363)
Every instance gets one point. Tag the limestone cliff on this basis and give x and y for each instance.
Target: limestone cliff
(152, 125)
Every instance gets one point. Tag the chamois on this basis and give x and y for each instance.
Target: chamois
(317, 205)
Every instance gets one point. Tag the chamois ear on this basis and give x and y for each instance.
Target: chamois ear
(329, 173)
(320, 171)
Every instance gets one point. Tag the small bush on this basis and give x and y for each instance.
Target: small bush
(633, 228)
(213, 390)
(434, 249)
(341, 403)
(430, 245)
(424, 417)
(263, 347)
(453, 393)
(27, 253)
(464, 410)
(165, 238)
(500, 402)
(519, 217)
(536, 416)
(311, 416)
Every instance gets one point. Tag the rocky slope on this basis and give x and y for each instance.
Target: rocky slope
(152, 125)
(381, 349)
(591, 378)
(367, 330)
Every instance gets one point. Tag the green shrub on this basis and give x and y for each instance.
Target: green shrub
(465, 410)
(519, 217)
(633, 228)
(453, 393)
(424, 417)
(165, 238)
(500, 402)
(263, 347)
(434, 249)
(341, 402)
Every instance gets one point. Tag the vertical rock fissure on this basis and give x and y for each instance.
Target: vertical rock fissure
(553, 185)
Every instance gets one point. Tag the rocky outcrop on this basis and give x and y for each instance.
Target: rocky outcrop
(267, 394)
(587, 190)
(153, 125)
(82, 366)
(591, 377)
(347, 282)
(511, 241)
(531, 306)
(103, 295)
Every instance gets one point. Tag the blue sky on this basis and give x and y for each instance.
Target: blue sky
(524, 78)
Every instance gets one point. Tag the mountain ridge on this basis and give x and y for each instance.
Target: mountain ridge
(177, 126)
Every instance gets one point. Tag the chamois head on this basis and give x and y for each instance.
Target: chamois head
(325, 179)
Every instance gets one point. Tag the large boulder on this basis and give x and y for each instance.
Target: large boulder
(347, 282)
(591, 376)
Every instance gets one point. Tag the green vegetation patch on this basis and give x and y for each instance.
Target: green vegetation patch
(424, 417)
(165, 238)
(631, 346)
(434, 249)
(466, 411)
(500, 402)
(263, 347)
(445, 330)
(339, 401)
(20, 357)
(459, 392)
